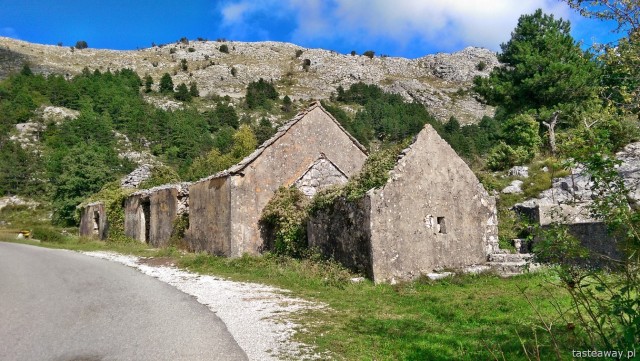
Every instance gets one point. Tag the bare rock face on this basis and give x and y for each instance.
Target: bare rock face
(570, 197)
(17, 201)
(57, 114)
(441, 82)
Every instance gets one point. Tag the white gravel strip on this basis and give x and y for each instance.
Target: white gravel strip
(255, 314)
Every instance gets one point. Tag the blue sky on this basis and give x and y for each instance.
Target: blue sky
(408, 28)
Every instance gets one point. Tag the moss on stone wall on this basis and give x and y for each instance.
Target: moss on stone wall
(113, 196)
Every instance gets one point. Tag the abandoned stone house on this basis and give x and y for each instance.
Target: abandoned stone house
(93, 221)
(432, 214)
(311, 151)
(149, 215)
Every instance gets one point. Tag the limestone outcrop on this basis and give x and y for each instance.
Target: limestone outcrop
(440, 82)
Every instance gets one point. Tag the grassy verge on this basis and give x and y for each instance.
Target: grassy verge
(479, 317)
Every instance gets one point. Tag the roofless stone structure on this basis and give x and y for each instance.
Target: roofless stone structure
(149, 214)
(432, 214)
(93, 221)
(311, 151)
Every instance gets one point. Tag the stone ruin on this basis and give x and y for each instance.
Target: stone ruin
(150, 214)
(93, 221)
(432, 214)
(311, 151)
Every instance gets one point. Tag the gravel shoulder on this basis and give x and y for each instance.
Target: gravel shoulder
(256, 315)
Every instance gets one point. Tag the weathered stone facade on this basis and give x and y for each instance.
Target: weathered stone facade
(150, 214)
(321, 174)
(225, 208)
(432, 214)
(93, 221)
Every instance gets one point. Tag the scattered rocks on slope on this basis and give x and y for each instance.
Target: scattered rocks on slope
(519, 171)
(514, 188)
(441, 82)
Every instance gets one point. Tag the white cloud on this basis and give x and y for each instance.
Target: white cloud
(9, 32)
(444, 23)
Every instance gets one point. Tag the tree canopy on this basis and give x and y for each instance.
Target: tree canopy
(544, 69)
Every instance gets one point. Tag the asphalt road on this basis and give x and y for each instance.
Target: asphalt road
(63, 306)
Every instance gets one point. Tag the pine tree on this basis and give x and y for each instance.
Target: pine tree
(148, 82)
(193, 90)
(166, 84)
(182, 93)
(544, 68)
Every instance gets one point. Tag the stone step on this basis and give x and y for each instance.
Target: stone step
(510, 257)
(507, 269)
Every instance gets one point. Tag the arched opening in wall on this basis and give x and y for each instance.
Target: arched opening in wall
(96, 223)
(442, 225)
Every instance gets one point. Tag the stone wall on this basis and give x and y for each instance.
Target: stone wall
(343, 233)
(163, 207)
(323, 173)
(93, 221)
(136, 217)
(150, 214)
(210, 216)
(432, 214)
(226, 207)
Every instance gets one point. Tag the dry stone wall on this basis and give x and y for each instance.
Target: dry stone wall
(322, 174)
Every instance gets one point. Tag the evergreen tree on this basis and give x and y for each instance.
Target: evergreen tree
(148, 82)
(286, 104)
(193, 90)
(182, 93)
(166, 84)
(260, 93)
(544, 69)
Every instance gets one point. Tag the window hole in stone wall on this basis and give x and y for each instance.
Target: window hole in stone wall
(442, 226)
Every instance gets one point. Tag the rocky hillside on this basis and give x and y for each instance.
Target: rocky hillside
(441, 81)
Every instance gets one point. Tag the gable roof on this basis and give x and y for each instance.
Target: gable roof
(236, 169)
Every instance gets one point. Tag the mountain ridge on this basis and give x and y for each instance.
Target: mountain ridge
(440, 81)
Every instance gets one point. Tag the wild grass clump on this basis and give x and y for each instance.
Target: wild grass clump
(49, 234)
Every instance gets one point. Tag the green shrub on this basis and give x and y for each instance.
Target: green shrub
(284, 222)
(81, 44)
(369, 53)
(160, 175)
(503, 156)
(260, 94)
(224, 48)
(48, 234)
(375, 171)
(298, 53)
(113, 197)
(180, 226)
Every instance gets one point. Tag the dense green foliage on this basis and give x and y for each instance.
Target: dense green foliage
(284, 222)
(385, 117)
(77, 157)
(545, 69)
(260, 94)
